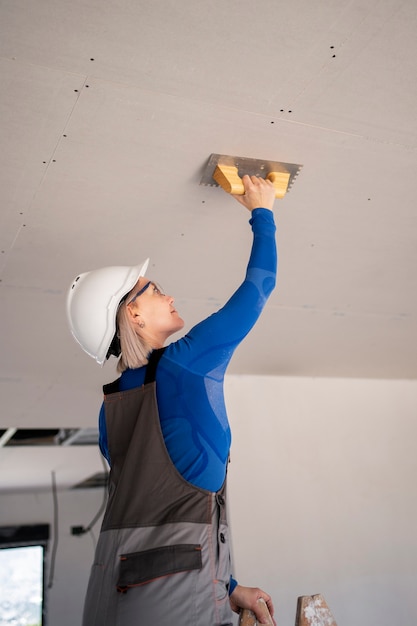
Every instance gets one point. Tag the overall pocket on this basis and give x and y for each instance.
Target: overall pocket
(139, 568)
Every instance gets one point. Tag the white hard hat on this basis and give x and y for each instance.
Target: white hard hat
(92, 303)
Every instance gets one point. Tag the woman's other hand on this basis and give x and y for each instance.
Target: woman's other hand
(259, 193)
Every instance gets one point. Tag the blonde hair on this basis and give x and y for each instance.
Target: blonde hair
(134, 350)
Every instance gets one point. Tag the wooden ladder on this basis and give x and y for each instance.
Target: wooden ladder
(311, 611)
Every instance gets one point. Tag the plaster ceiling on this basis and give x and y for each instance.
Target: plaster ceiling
(109, 112)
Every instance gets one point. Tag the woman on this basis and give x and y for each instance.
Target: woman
(163, 555)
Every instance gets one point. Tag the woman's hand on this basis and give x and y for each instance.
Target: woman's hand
(259, 193)
(247, 598)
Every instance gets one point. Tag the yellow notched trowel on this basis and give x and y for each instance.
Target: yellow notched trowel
(226, 171)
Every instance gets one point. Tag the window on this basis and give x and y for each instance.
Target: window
(22, 575)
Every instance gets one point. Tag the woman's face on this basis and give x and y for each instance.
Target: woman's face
(154, 311)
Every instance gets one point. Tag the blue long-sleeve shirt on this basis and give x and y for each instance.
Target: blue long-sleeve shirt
(190, 374)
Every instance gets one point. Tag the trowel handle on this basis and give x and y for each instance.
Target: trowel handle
(228, 178)
(280, 181)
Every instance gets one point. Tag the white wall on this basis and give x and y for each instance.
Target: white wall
(322, 494)
(323, 486)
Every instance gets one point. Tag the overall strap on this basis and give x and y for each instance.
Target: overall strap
(111, 387)
(150, 374)
(152, 365)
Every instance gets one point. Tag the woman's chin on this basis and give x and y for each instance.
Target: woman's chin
(180, 323)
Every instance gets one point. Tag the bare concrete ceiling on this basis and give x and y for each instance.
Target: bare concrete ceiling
(109, 112)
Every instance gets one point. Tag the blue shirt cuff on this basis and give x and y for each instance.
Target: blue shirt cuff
(232, 585)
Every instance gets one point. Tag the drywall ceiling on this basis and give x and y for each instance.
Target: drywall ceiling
(109, 112)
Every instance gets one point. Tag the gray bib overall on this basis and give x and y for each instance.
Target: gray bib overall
(162, 558)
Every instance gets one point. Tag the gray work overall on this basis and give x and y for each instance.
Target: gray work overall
(162, 558)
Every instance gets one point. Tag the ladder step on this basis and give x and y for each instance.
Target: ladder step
(313, 611)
